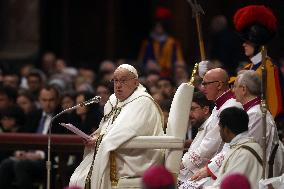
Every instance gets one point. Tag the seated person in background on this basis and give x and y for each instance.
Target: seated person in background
(27, 166)
(8, 97)
(200, 150)
(244, 156)
(129, 112)
(167, 87)
(104, 90)
(26, 101)
(87, 117)
(12, 119)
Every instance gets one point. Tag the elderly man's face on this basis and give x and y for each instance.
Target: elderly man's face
(125, 83)
(210, 87)
(239, 91)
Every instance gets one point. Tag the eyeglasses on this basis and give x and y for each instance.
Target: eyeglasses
(193, 108)
(209, 82)
(121, 81)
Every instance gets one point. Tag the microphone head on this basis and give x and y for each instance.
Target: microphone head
(96, 99)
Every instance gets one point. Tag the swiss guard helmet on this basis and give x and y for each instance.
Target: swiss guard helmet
(256, 24)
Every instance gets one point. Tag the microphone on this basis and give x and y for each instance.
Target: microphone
(95, 99)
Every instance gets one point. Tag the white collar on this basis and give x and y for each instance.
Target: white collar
(46, 114)
(141, 90)
(256, 59)
(238, 138)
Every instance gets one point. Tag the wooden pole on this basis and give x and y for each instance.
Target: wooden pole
(196, 11)
(200, 37)
(263, 106)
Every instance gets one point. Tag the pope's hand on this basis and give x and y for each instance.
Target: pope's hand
(202, 173)
(202, 68)
(91, 142)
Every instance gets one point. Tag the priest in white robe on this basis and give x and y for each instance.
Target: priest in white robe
(247, 89)
(244, 155)
(129, 112)
(216, 88)
(202, 148)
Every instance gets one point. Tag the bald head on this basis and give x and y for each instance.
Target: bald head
(218, 74)
(215, 83)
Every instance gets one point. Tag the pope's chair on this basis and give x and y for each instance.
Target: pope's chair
(173, 141)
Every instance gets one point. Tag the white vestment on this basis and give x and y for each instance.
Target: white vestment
(272, 139)
(241, 160)
(138, 116)
(276, 182)
(255, 131)
(209, 143)
(201, 150)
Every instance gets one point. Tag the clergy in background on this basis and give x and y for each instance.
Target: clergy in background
(244, 155)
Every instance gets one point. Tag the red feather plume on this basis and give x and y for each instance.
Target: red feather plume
(255, 14)
(163, 13)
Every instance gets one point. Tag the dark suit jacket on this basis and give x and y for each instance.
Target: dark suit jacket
(34, 119)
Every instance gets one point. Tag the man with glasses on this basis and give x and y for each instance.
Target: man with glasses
(216, 88)
(247, 89)
(201, 149)
(129, 112)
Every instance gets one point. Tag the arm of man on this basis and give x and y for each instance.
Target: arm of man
(194, 159)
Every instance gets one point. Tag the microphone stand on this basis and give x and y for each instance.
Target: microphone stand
(96, 99)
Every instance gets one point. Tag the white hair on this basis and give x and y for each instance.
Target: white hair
(251, 80)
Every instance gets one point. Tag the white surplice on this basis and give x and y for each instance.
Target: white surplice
(272, 139)
(241, 160)
(209, 143)
(139, 116)
(201, 150)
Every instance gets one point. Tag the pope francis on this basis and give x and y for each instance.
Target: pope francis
(129, 112)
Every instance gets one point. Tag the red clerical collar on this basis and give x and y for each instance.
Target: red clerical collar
(223, 98)
(251, 103)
